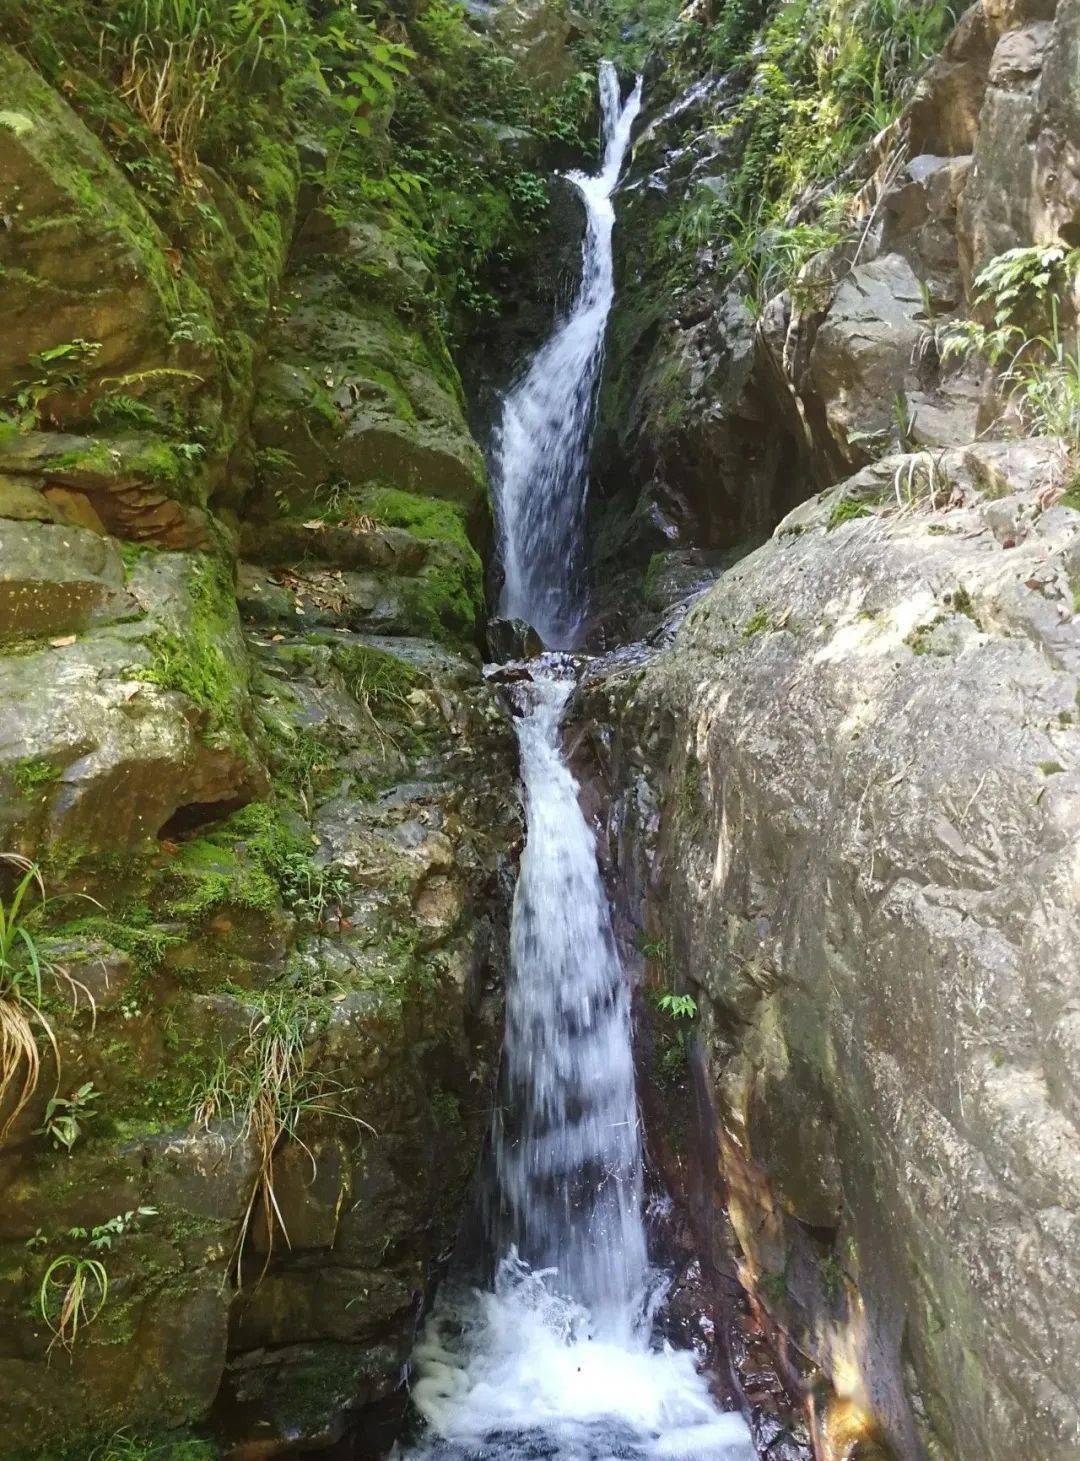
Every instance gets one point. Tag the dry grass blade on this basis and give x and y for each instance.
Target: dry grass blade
(20, 997)
(268, 1089)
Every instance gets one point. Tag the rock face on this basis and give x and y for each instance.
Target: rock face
(716, 422)
(246, 739)
(863, 754)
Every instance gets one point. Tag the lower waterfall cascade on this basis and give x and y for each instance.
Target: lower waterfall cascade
(557, 1358)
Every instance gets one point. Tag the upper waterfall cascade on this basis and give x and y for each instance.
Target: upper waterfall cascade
(541, 459)
(558, 1359)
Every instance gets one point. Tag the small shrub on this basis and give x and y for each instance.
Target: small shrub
(1038, 360)
(21, 995)
(266, 1090)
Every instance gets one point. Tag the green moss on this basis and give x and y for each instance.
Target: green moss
(260, 860)
(921, 639)
(135, 932)
(445, 600)
(97, 457)
(654, 575)
(773, 1288)
(34, 775)
(212, 876)
(195, 664)
(760, 622)
(427, 518)
(962, 603)
(846, 510)
(690, 803)
(165, 462)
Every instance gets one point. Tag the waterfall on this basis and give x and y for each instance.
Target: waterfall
(556, 1359)
(541, 459)
(567, 1150)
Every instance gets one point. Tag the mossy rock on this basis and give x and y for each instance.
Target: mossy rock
(82, 259)
(396, 563)
(135, 719)
(351, 392)
(135, 485)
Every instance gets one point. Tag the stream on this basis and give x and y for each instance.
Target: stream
(557, 1356)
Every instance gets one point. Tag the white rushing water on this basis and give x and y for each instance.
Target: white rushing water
(543, 440)
(557, 1358)
(567, 1192)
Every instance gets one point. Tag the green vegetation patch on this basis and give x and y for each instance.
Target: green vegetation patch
(846, 510)
(195, 662)
(258, 859)
(430, 519)
(34, 775)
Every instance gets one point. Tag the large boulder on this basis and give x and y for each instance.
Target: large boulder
(861, 362)
(1025, 183)
(864, 870)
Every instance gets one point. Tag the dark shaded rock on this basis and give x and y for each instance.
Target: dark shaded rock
(512, 639)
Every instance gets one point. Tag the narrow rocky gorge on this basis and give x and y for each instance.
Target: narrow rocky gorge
(259, 801)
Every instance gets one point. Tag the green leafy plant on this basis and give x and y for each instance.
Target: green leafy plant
(23, 972)
(102, 1237)
(672, 1040)
(846, 510)
(309, 888)
(823, 79)
(126, 1445)
(58, 369)
(1022, 335)
(67, 1116)
(678, 1006)
(176, 54)
(118, 408)
(21, 995)
(654, 949)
